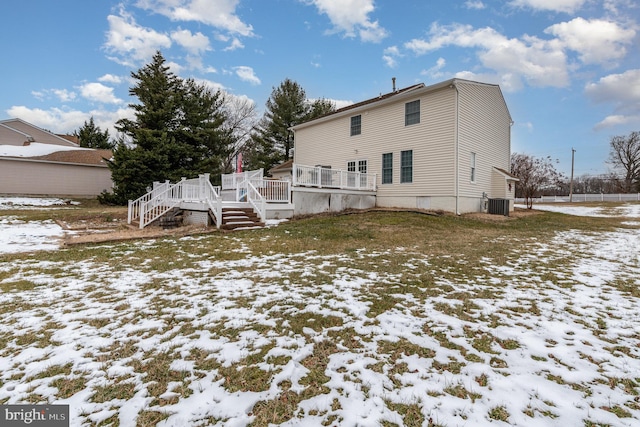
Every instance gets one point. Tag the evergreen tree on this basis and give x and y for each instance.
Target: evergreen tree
(272, 143)
(177, 132)
(91, 136)
(320, 107)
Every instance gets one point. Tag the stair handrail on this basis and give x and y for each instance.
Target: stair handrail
(213, 199)
(257, 200)
(134, 205)
(162, 203)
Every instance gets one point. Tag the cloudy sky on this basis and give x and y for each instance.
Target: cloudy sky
(569, 69)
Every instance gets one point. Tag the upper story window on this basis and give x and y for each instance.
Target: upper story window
(356, 125)
(406, 166)
(412, 113)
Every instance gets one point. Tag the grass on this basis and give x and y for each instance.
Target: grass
(402, 297)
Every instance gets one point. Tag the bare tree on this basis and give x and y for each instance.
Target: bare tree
(535, 174)
(242, 118)
(624, 156)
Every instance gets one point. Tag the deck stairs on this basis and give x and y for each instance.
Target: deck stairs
(235, 218)
(195, 200)
(171, 219)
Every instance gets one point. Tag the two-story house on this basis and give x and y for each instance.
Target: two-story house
(442, 147)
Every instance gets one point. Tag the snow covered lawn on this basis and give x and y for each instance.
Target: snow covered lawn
(365, 320)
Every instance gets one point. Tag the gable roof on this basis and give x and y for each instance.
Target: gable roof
(408, 92)
(17, 131)
(282, 167)
(509, 176)
(85, 157)
(18, 145)
(378, 98)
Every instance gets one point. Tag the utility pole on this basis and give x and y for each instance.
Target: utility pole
(573, 152)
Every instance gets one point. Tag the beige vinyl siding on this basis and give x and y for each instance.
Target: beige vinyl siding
(484, 128)
(33, 177)
(384, 131)
(39, 135)
(498, 185)
(10, 136)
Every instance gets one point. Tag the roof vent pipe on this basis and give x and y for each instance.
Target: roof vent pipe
(393, 81)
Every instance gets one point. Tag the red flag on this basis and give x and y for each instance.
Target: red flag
(239, 163)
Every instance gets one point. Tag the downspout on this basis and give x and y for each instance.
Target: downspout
(457, 143)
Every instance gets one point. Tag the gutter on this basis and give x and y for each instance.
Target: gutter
(51, 162)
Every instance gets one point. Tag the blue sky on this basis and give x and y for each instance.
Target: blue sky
(569, 69)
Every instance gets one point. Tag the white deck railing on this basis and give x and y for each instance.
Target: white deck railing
(135, 205)
(257, 200)
(230, 181)
(165, 196)
(274, 190)
(315, 176)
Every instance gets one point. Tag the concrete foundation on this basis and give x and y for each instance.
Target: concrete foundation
(196, 218)
(318, 200)
(443, 203)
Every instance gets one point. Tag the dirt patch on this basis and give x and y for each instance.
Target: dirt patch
(516, 214)
(97, 230)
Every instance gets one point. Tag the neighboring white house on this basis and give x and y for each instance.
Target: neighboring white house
(34, 161)
(442, 147)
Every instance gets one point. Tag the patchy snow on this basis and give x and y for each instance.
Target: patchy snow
(34, 149)
(630, 210)
(24, 236)
(17, 203)
(21, 236)
(551, 352)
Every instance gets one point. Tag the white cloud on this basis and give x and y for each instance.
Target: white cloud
(38, 94)
(474, 4)
(340, 103)
(390, 56)
(247, 74)
(67, 121)
(217, 13)
(235, 44)
(621, 90)
(527, 125)
(617, 7)
(616, 120)
(99, 93)
(64, 95)
(508, 82)
(195, 44)
(110, 78)
(435, 72)
(596, 41)
(538, 62)
(131, 44)
(567, 6)
(214, 86)
(351, 17)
